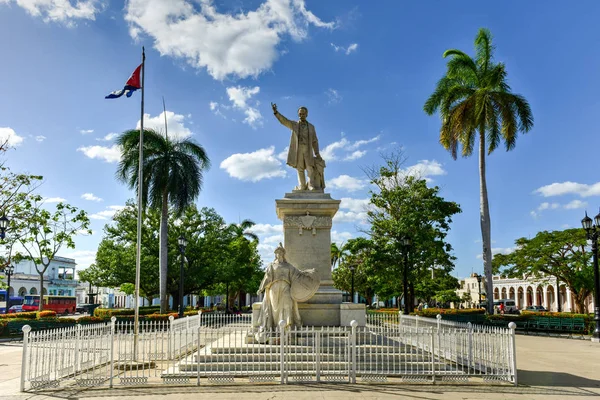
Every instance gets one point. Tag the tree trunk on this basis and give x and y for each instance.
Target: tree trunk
(175, 296)
(486, 226)
(580, 301)
(163, 253)
(41, 307)
(411, 297)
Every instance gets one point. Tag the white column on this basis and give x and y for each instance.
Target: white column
(535, 296)
(569, 304)
(545, 297)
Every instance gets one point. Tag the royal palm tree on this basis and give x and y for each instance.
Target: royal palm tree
(475, 101)
(173, 174)
(337, 254)
(242, 230)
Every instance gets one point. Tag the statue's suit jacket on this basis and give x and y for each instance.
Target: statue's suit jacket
(293, 150)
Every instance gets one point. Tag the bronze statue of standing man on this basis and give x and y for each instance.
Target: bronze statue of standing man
(303, 153)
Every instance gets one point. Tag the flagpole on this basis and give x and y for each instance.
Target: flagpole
(138, 259)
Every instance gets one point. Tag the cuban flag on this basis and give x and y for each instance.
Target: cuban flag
(133, 84)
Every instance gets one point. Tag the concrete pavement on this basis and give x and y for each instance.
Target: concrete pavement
(548, 368)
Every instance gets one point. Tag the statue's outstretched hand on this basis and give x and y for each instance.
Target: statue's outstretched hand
(274, 107)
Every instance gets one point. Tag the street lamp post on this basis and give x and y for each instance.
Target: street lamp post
(479, 288)
(182, 244)
(593, 231)
(406, 245)
(8, 271)
(352, 270)
(3, 226)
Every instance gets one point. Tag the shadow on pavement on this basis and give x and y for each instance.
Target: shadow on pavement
(337, 391)
(549, 378)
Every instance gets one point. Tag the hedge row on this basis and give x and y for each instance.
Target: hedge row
(52, 322)
(29, 315)
(109, 312)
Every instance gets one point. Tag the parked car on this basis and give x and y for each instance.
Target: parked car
(536, 308)
(15, 309)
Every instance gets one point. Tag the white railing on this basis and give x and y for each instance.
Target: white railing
(221, 348)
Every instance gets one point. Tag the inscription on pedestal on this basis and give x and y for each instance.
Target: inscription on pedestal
(308, 222)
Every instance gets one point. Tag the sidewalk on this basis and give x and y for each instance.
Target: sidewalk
(548, 368)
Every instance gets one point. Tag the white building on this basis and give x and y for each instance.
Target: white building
(59, 278)
(526, 292)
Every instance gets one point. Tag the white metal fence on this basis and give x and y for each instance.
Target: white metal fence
(210, 348)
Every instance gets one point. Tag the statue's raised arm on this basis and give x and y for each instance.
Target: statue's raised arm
(303, 153)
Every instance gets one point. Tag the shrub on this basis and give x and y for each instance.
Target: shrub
(66, 320)
(90, 320)
(46, 314)
(109, 312)
(3, 324)
(432, 312)
(21, 315)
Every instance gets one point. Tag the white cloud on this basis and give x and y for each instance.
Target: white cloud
(350, 216)
(356, 205)
(40, 138)
(63, 11)
(175, 124)
(499, 250)
(83, 258)
(108, 213)
(559, 189)
(344, 145)
(242, 45)
(334, 96)
(548, 206)
(575, 204)
(340, 237)
(10, 136)
(283, 155)
(53, 200)
(355, 155)
(260, 164)
(239, 96)
(109, 137)
(91, 197)
(425, 169)
(347, 183)
(267, 229)
(273, 239)
(86, 131)
(346, 50)
(357, 210)
(217, 107)
(109, 154)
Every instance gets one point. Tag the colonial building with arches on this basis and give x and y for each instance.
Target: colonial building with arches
(547, 292)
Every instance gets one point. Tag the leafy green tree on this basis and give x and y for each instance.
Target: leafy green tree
(475, 100)
(561, 254)
(208, 239)
(173, 174)
(43, 233)
(405, 207)
(360, 254)
(15, 190)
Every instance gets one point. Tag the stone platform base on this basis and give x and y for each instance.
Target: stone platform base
(324, 314)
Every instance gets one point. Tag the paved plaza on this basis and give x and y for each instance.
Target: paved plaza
(548, 368)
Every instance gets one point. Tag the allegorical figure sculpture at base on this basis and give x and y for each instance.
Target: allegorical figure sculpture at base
(284, 286)
(303, 153)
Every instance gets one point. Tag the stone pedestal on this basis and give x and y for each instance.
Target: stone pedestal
(307, 219)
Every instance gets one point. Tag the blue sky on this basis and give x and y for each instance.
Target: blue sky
(364, 71)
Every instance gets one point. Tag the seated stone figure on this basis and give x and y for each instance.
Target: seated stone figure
(284, 285)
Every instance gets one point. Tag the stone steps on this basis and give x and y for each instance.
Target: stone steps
(388, 358)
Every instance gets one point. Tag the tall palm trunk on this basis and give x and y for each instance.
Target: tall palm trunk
(163, 252)
(486, 226)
